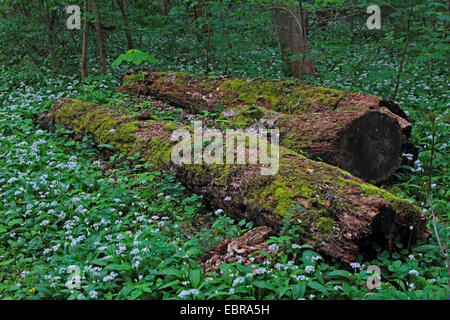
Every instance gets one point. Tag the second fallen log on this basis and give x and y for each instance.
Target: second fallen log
(362, 134)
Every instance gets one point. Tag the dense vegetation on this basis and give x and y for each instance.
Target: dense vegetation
(135, 233)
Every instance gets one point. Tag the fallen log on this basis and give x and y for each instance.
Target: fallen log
(340, 215)
(362, 134)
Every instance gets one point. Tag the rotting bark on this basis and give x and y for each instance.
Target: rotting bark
(238, 249)
(362, 134)
(342, 216)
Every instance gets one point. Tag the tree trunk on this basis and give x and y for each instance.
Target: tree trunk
(293, 38)
(340, 215)
(122, 7)
(405, 48)
(362, 134)
(227, 40)
(50, 36)
(165, 7)
(84, 49)
(201, 12)
(99, 38)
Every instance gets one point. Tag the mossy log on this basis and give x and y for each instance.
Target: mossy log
(362, 134)
(340, 215)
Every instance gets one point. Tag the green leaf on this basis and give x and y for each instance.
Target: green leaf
(169, 284)
(134, 56)
(195, 277)
(135, 294)
(118, 267)
(317, 286)
(339, 273)
(14, 222)
(307, 257)
(298, 291)
(5, 263)
(108, 146)
(172, 272)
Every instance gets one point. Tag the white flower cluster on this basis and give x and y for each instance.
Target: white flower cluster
(185, 293)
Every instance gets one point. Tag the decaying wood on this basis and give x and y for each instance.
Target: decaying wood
(362, 134)
(238, 249)
(338, 214)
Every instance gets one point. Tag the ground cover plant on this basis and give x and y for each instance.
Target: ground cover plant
(71, 210)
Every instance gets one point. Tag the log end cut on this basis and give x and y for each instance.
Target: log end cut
(371, 147)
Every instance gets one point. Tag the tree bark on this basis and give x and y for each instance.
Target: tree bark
(122, 7)
(99, 38)
(362, 134)
(340, 215)
(165, 7)
(293, 40)
(405, 48)
(204, 37)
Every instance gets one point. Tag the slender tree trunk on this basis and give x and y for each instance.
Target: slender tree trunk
(400, 68)
(352, 23)
(99, 38)
(84, 49)
(165, 7)
(304, 41)
(122, 7)
(227, 39)
(201, 11)
(50, 35)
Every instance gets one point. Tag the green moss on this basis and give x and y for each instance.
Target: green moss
(284, 96)
(398, 204)
(280, 195)
(65, 112)
(181, 78)
(87, 118)
(132, 79)
(284, 199)
(305, 191)
(207, 84)
(157, 151)
(371, 190)
(251, 92)
(325, 225)
(71, 109)
(252, 112)
(293, 140)
(170, 126)
(225, 172)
